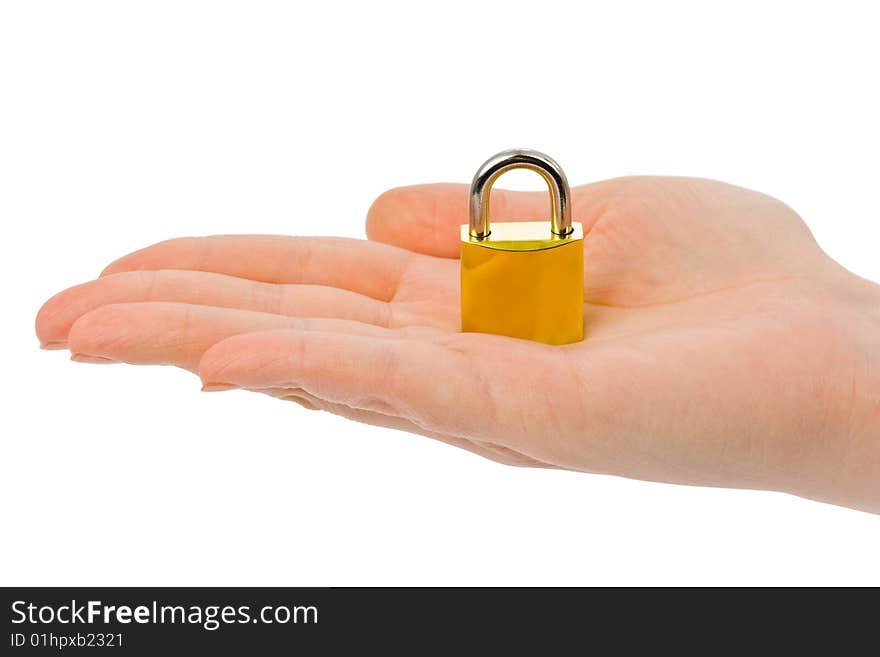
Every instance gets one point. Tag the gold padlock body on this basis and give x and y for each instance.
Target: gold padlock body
(524, 282)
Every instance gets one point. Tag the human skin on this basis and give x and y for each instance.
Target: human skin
(722, 346)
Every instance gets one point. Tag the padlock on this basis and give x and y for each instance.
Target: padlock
(523, 279)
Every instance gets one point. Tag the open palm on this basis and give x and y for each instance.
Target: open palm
(723, 347)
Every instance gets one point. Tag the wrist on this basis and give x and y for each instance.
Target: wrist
(861, 442)
(859, 294)
(869, 296)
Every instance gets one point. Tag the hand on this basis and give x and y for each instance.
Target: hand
(723, 347)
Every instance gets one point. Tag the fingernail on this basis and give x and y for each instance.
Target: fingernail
(218, 387)
(96, 360)
(57, 344)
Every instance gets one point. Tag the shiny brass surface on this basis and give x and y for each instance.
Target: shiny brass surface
(522, 236)
(534, 294)
(523, 279)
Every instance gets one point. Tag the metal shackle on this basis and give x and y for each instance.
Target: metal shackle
(519, 158)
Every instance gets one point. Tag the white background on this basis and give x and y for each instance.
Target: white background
(125, 123)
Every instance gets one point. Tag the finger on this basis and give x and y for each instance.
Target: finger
(486, 450)
(208, 289)
(358, 265)
(426, 218)
(464, 385)
(163, 333)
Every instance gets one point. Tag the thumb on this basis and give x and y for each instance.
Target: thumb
(425, 218)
